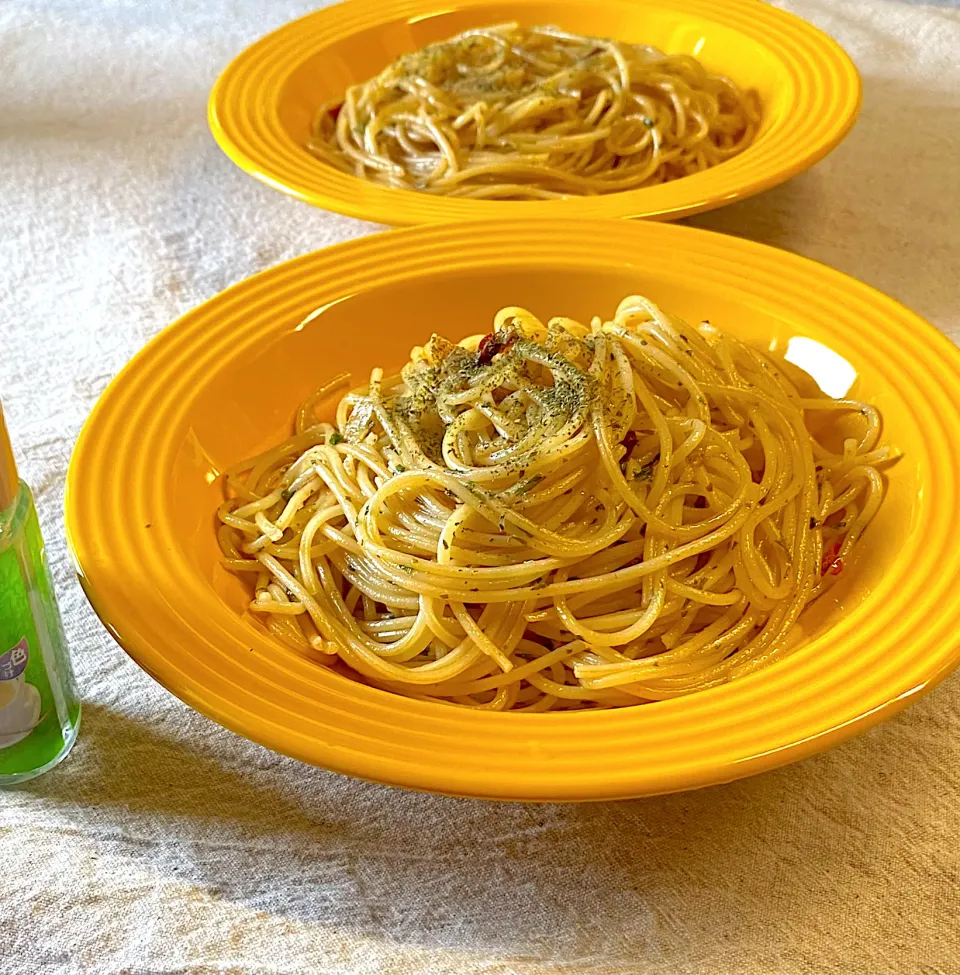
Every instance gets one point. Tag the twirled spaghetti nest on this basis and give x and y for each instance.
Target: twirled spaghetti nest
(556, 515)
(513, 112)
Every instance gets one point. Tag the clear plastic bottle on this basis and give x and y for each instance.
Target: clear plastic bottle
(39, 708)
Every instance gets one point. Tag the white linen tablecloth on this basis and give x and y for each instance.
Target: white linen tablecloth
(168, 845)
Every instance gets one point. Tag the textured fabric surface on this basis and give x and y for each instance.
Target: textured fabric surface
(168, 845)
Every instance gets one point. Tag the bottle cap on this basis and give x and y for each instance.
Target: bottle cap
(9, 480)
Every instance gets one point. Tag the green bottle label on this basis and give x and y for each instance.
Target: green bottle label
(37, 700)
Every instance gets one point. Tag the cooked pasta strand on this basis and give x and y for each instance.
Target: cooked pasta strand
(529, 113)
(557, 516)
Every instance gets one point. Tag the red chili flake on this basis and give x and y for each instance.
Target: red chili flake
(628, 443)
(832, 563)
(492, 344)
(485, 350)
(335, 111)
(701, 502)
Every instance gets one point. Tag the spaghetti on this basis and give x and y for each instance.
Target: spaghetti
(556, 516)
(527, 113)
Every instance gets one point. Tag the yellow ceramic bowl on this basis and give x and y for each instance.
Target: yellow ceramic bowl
(224, 382)
(262, 107)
